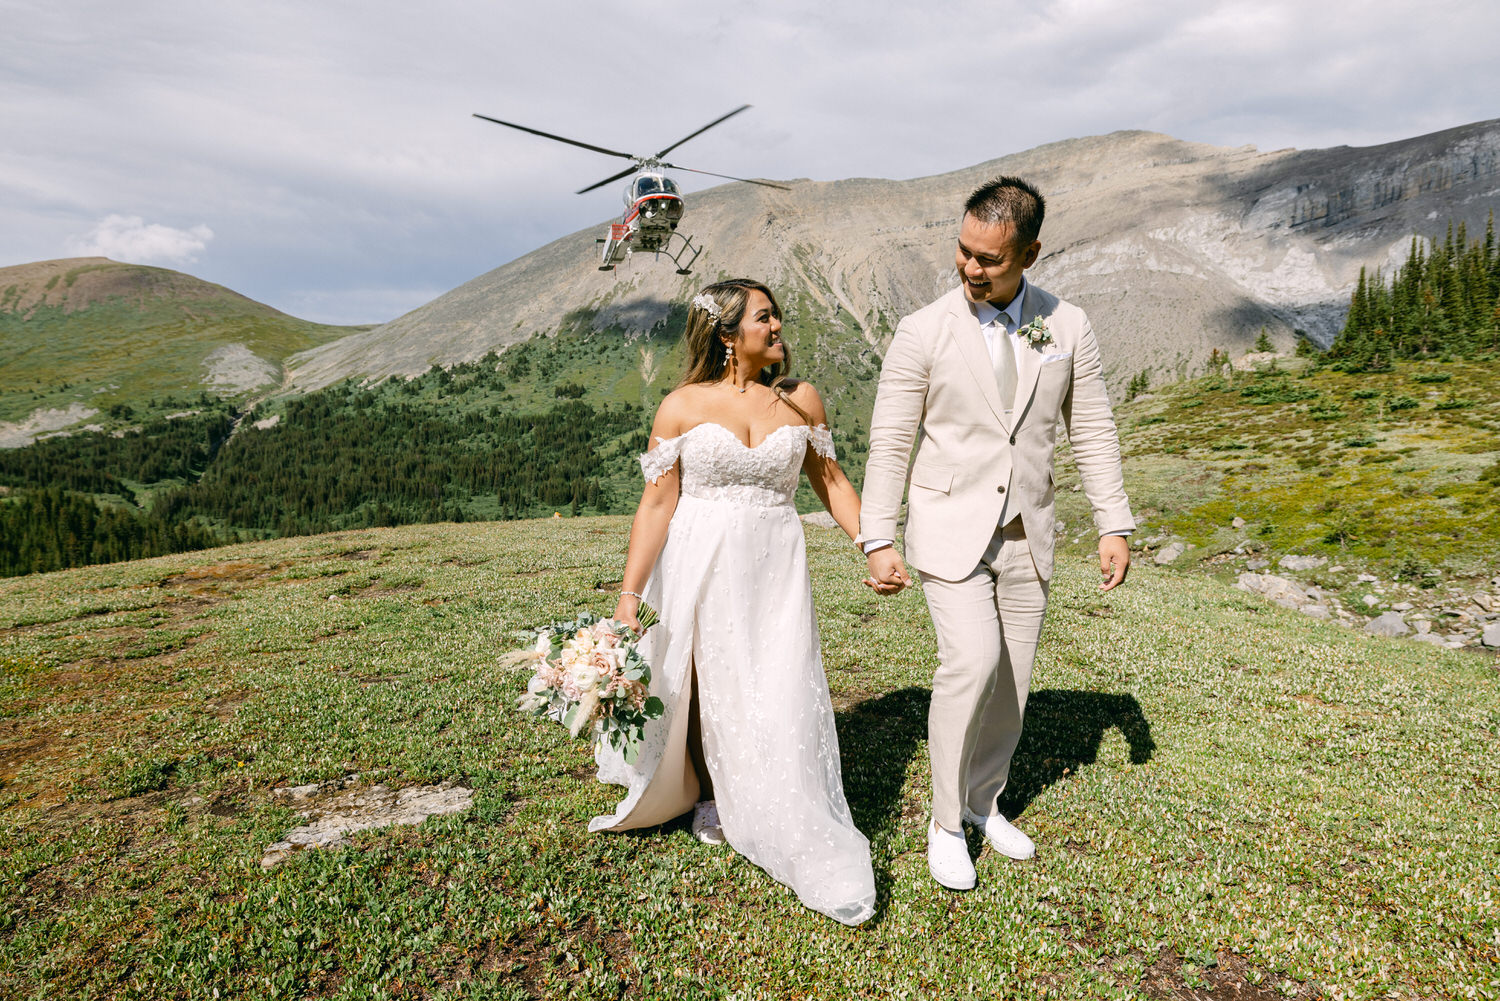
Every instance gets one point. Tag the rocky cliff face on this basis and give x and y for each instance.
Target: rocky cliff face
(1174, 248)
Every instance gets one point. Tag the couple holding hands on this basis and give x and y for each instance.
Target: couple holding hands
(976, 383)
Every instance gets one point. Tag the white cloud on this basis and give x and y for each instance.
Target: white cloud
(131, 239)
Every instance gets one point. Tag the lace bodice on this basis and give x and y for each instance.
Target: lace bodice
(716, 465)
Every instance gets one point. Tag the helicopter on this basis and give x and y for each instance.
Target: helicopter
(653, 202)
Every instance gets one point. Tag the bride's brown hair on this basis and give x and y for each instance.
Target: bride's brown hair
(706, 334)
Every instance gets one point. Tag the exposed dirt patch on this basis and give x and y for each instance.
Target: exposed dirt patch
(380, 587)
(218, 573)
(181, 608)
(32, 627)
(1228, 980)
(378, 679)
(360, 554)
(537, 956)
(19, 751)
(225, 702)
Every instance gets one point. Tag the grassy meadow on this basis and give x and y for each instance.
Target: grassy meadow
(1231, 801)
(1395, 473)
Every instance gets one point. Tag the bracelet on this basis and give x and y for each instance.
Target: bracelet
(634, 594)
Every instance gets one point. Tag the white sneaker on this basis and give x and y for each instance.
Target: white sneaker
(1002, 836)
(706, 823)
(948, 858)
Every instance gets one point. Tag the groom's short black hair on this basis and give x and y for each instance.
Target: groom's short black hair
(1009, 199)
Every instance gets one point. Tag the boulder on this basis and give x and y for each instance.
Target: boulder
(1252, 359)
(1491, 635)
(1301, 562)
(1170, 552)
(1238, 523)
(361, 809)
(1389, 624)
(1287, 593)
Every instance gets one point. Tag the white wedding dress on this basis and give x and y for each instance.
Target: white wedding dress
(732, 588)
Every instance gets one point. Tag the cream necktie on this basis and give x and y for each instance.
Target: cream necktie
(1005, 364)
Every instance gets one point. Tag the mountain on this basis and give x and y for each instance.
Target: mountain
(1175, 248)
(80, 335)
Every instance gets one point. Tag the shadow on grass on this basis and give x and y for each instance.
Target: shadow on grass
(1063, 732)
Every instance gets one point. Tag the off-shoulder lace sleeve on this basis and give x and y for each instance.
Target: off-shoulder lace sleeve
(821, 440)
(661, 458)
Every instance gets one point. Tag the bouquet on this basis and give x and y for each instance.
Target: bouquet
(591, 676)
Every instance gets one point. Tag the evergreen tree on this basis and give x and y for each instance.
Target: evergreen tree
(1442, 301)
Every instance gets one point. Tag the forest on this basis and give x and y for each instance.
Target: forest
(1443, 301)
(440, 447)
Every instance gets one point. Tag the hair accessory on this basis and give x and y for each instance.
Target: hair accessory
(706, 302)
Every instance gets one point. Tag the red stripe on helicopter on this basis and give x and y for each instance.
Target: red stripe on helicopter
(635, 209)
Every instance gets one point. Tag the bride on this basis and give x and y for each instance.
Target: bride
(717, 549)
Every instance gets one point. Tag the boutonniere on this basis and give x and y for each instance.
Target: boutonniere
(1035, 332)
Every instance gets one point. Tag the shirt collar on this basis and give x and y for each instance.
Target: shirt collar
(986, 312)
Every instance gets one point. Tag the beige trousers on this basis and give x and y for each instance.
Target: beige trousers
(987, 626)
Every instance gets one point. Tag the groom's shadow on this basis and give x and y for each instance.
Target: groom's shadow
(1063, 732)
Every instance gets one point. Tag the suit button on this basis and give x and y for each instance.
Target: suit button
(1000, 489)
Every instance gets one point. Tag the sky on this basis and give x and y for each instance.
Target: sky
(322, 157)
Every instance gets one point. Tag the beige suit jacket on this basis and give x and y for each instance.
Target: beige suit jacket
(938, 391)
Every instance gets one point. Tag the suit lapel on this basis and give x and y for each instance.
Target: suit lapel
(1029, 362)
(964, 328)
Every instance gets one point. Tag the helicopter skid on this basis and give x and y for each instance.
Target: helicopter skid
(618, 247)
(685, 255)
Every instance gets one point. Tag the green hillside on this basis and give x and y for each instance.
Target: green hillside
(99, 334)
(1372, 469)
(1230, 800)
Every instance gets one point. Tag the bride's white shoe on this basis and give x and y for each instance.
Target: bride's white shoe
(706, 823)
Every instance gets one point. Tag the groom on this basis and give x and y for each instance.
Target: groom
(978, 381)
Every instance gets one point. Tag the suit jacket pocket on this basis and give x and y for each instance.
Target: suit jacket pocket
(939, 478)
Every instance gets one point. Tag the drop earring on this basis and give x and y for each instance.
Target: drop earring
(731, 365)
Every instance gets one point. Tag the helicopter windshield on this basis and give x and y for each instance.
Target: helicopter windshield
(646, 184)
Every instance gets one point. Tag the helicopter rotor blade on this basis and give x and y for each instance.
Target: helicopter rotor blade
(727, 177)
(613, 177)
(705, 128)
(561, 139)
